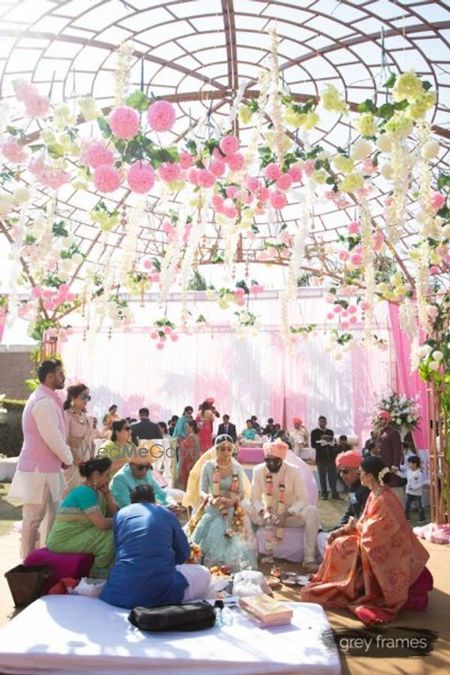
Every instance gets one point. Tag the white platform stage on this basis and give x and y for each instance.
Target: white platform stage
(72, 635)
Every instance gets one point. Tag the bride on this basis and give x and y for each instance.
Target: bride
(220, 527)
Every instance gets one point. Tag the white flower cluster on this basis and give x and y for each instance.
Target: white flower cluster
(403, 410)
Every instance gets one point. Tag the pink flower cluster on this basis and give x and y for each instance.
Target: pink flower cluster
(170, 172)
(47, 175)
(13, 151)
(141, 177)
(170, 230)
(97, 153)
(51, 299)
(124, 122)
(153, 274)
(106, 178)
(35, 104)
(239, 295)
(161, 116)
(162, 335)
(437, 201)
(347, 317)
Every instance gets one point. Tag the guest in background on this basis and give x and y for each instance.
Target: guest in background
(298, 436)
(137, 472)
(205, 419)
(38, 481)
(145, 429)
(164, 430)
(189, 454)
(276, 430)
(322, 440)
(256, 424)
(84, 520)
(120, 448)
(369, 445)
(172, 424)
(180, 431)
(269, 428)
(407, 452)
(389, 448)
(343, 445)
(370, 564)
(227, 428)
(283, 437)
(151, 549)
(249, 433)
(96, 433)
(80, 434)
(108, 419)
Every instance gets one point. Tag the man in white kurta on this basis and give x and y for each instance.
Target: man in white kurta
(280, 500)
(299, 438)
(39, 481)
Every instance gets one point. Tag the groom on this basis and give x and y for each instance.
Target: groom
(279, 498)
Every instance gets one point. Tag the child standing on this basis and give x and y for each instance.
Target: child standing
(415, 481)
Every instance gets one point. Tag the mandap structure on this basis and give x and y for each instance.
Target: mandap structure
(145, 145)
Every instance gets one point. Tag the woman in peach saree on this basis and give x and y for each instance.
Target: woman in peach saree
(371, 564)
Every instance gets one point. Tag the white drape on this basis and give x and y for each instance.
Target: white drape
(256, 376)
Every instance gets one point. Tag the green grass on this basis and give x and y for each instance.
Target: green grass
(8, 512)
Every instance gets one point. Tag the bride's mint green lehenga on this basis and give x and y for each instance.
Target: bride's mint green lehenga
(237, 551)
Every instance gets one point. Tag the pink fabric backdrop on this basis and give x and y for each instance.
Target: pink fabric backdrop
(256, 376)
(409, 383)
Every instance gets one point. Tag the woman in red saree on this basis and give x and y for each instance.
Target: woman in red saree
(205, 419)
(189, 453)
(370, 564)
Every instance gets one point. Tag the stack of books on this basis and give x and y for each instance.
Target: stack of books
(266, 611)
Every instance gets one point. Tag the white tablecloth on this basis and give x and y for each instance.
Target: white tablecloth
(74, 635)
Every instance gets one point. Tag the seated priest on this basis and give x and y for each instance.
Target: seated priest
(137, 471)
(151, 558)
(280, 501)
(347, 464)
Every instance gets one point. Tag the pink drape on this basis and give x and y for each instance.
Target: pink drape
(409, 383)
(258, 376)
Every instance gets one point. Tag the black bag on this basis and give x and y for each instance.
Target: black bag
(189, 617)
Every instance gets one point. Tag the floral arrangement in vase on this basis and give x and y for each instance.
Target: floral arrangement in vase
(403, 410)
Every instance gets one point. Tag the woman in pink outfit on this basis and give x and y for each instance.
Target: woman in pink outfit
(205, 419)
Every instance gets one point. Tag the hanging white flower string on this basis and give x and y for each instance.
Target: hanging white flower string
(401, 176)
(122, 73)
(276, 110)
(15, 262)
(369, 269)
(251, 154)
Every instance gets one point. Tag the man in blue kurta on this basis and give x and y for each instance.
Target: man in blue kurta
(151, 549)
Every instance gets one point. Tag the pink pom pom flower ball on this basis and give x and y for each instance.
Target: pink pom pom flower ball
(278, 200)
(124, 122)
(106, 178)
(272, 171)
(161, 116)
(229, 144)
(141, 177)
(96, 153)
